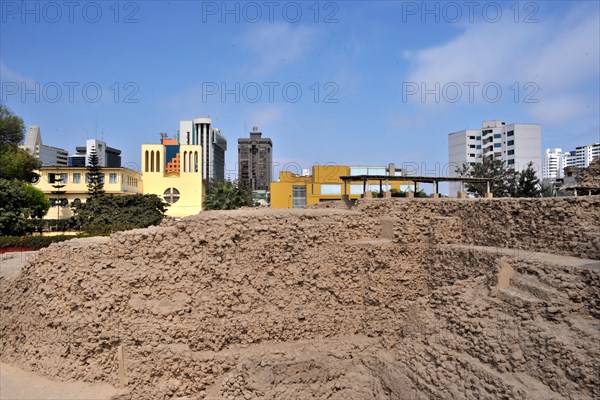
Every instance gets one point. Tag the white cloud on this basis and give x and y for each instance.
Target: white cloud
(277, 44)
(9, 75)
(561, 57)
(560, 109)
(267, 116)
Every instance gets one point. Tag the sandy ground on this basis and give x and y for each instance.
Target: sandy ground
(17, 384)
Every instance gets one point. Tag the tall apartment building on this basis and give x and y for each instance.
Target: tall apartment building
(214, 145)
(47, 155)
(582, 156)
(552, 167)
(107, 156)
(255, 161)
(515, 144)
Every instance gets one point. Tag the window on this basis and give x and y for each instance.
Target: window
(511, 152)
(472, 137)
(331, 189)
(87, 178)
(510, 162)
(497, 135)
(298, 196)
(471, 155)
(478, 138)
(510, 133)
(76, 177)
(112, 178)
(171, 195)
(510, 143)
(356, 189)
(497, 144)
(77, 202)
(376, 188)
(479, 146)
(472, 146)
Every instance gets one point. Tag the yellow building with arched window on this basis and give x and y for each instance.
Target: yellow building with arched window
(173, 172)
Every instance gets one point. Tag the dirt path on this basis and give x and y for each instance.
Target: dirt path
(17, 384)
(11, 263)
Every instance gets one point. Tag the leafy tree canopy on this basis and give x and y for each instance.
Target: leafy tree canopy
(12, 128)
(529, 184)
(15, 163)
(19, 201)
(106, 214)
(504, 182)
(226, 196)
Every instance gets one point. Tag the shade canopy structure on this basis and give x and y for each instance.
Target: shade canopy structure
(414, 179)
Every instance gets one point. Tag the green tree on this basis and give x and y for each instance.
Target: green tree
(38, 202)
(106, 214)
(12, 128)
(504, 179)
(95, 177)
(15, 163)
(226, 196)
(19, 202)
(529, 184)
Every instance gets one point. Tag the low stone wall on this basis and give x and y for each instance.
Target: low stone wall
(563, 225)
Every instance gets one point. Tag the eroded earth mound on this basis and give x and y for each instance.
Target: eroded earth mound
(394, 299)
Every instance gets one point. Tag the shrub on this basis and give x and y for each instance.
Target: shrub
(32, 242)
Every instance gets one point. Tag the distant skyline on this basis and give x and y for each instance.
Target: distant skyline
(352, 83)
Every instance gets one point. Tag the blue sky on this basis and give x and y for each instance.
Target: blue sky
(361, 67)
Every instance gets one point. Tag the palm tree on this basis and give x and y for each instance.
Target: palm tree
(226, 196)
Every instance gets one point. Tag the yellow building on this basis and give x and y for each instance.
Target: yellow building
(173, 171)
(116, 181)
(295, 191)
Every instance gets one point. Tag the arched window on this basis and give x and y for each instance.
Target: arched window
(146, 161)
(191, 162)
(157, 161)
(195, 161)
(152, 161)
(185, 161)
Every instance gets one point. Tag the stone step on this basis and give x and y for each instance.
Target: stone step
(518, 297)
(531, 284)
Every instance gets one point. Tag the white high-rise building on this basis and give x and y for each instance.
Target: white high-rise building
(552, 168)
(582, 156)
(515, 144)
(47, 155)
(213, 144)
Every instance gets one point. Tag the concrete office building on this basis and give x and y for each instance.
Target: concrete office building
(552, 167)
(213, 142)
(255, 161)
(47, 155)
(107, 156)
(582, 156)
(515, 144)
